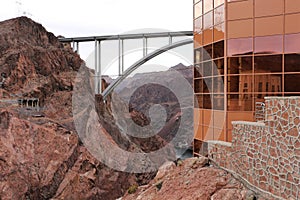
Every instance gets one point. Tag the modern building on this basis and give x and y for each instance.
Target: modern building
(244, 50)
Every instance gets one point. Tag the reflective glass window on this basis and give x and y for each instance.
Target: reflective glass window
(198, 40)
(198, 71)
(219, 16)
(240, 102)
(208, 5)
(207, 69)
(268, 64)
(218, 49)
(218, 2)
(240, 28)
(208, 20)
(218, 67)
(268, 44)
(207, 104)
(292, 62)
(268, 7)
(207, 36)
(219, 31)
(292, 23)
(198, 101)
(198, 24)
(292, 43)
(207, 85)
(239, 65)
(198, 86)
(269, 26)
(272, 81)
(198, 55)
(207, 52)
(218, 102)
(240, 84)
(240, 10)
(218, 84)
(241, 46)
(292, 6)
(198, 9)
(292, 83)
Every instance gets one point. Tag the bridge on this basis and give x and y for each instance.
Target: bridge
(122, 73)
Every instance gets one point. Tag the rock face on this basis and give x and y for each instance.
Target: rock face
(41, 156)
(191, 179)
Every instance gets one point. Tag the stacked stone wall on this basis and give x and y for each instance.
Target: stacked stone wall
(266, 155)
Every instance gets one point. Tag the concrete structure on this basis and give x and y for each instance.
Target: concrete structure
(244, 51)
(121, 38)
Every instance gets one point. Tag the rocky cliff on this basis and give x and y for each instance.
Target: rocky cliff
(41, 156)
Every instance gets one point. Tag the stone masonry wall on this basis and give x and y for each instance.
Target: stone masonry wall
(267, 155)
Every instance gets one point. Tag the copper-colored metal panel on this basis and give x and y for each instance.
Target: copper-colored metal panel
(269, 26)
(240, 28)
(207, 36)
(292, 23)
(268, 7)
(292, 6)
(198, 40)
(240, 10)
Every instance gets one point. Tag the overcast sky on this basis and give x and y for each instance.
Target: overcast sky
(107, 17)
(101, 17)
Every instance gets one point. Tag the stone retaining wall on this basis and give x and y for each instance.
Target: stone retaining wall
(267, 155)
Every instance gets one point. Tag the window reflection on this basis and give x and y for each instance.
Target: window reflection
(268, 64)
(218, 2)
(239, 65)
(218, 49)
(218, 67)
(198, 55)
(207, 69)
(199, 101)
(267, 82)
(269, 44)
(208, 20)
(218, 102)
(208, 5)
(198, 86)
(240, 102)
(292, 62)
(218, 84)
(292, 43)
(198, 71)
(207, 36)
(198, 9)
(219, 15)
(198, 24)
(219, 31)
(207, 104)
(207, 52)
(240, 84)
(207, 85)
(198, 40)
(291, 83)
(242, 46)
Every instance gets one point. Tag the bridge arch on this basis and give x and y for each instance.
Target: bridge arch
(140, 62)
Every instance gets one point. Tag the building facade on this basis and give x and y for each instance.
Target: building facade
(244, 50)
